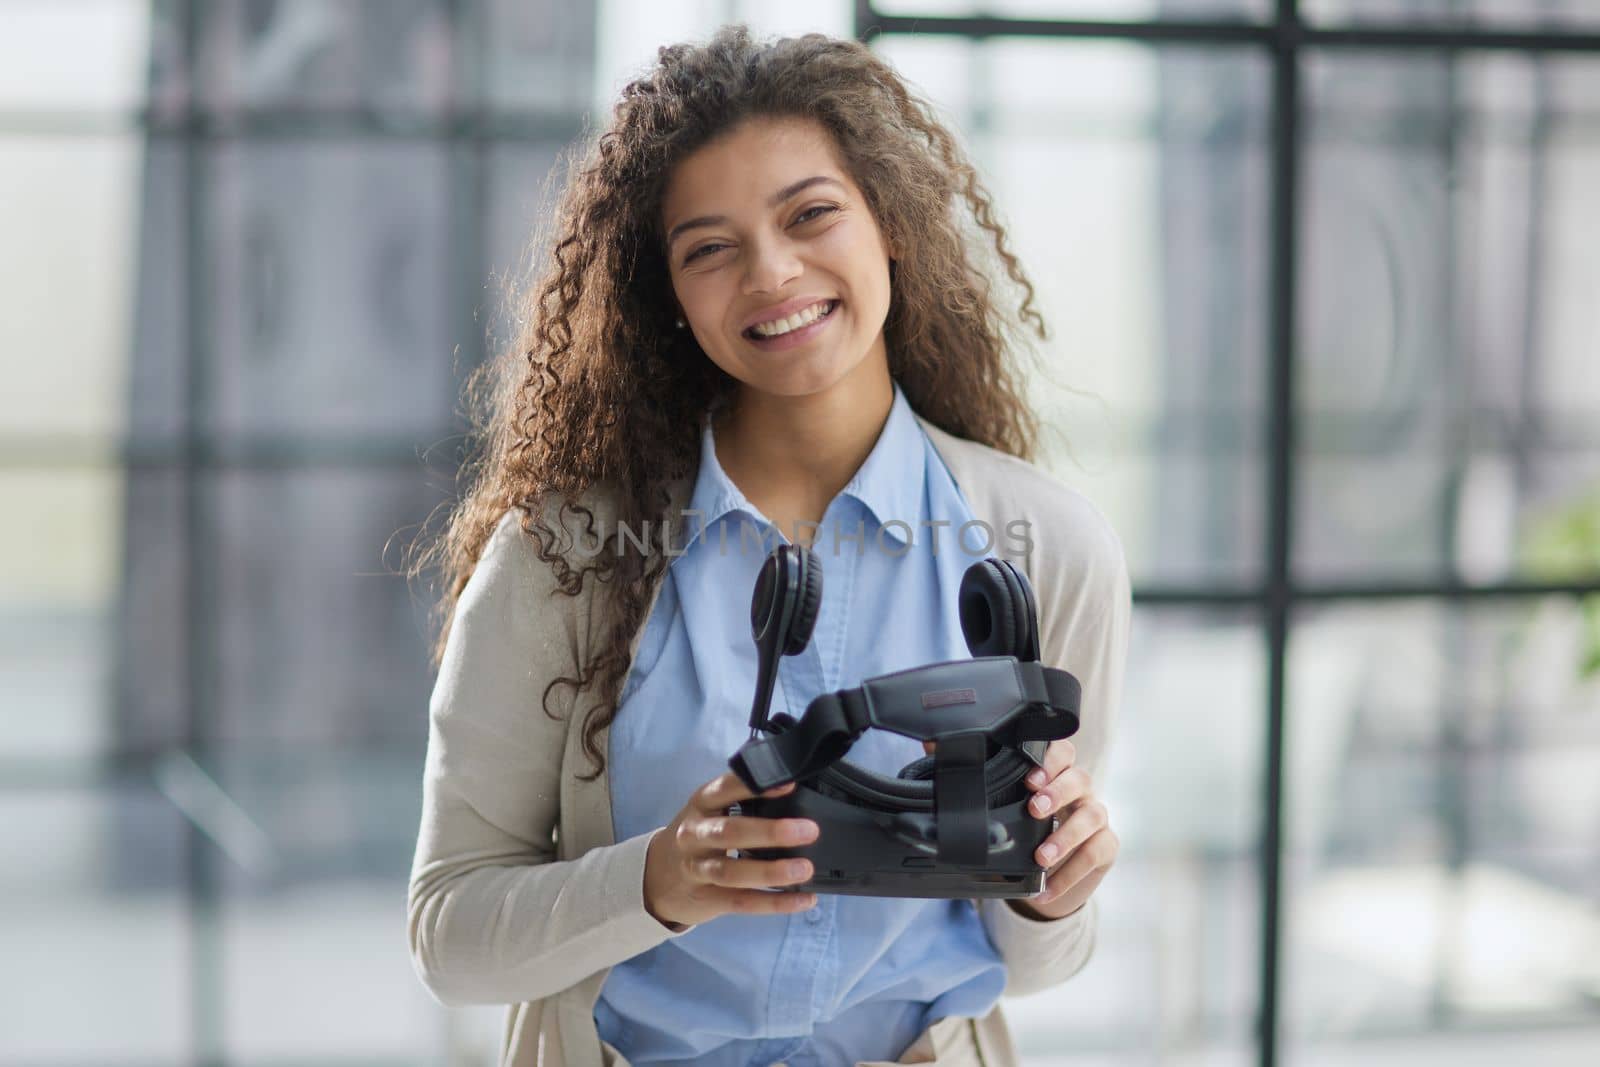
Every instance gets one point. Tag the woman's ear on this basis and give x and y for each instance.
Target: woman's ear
(892, 246)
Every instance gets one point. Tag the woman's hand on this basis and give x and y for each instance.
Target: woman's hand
(1082, 849)
(688, 876)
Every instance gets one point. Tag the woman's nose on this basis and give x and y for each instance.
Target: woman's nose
(772, 265)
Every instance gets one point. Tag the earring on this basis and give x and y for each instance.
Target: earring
(680, 324)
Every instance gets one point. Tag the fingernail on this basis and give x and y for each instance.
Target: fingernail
(1048, 853)
(1036, 778)
(799, 868)
(1041, 804)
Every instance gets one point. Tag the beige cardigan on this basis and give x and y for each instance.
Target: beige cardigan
(518, 894)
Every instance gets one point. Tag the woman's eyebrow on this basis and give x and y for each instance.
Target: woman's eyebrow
(777, 198)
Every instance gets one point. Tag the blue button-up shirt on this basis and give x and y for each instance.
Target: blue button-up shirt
(854, 978)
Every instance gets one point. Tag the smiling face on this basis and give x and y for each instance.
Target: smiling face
(765, 228)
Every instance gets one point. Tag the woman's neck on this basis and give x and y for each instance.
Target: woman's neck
(790, 456)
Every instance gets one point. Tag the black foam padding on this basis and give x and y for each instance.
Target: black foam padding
(1025, 611)
(805, 618)
(988, 614)
(999, 616)
(1003, 774)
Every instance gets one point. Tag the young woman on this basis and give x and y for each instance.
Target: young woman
(763, 320)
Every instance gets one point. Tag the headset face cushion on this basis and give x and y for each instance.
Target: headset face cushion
(920, 769)
(914, 781)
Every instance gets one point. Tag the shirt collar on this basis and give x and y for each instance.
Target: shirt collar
(889, 483)
(891, 480)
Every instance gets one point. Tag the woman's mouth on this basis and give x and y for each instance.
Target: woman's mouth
(798, 336)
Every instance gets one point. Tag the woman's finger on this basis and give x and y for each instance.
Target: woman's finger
(1056, 794)
(1086, 820)
(726, 789)
(749, 874)
(758, 902)
(1092, 859)
(722, 832)
(1059, 755)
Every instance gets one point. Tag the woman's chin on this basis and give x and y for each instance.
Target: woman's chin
(804, 374)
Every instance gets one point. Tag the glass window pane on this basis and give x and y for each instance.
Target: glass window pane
(330, 265)
(310, 916)
(1133, 180)
(524, 183)
(539, 55)
(628, 32)
(87, 57)
(1517, 14)
(1175, 975)
(1109, 10)
(833, 17)
(95, 927)
(59, 572)
(1447, 335)
(392, 58)
(1443, 809)
(318, 639)
(70, 213)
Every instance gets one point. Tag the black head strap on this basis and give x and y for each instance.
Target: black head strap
(995, 697)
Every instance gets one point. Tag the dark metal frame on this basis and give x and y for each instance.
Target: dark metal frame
(1285, 39)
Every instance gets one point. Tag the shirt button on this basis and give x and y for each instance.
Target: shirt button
(813, 915)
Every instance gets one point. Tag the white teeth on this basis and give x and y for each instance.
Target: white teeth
(793, 322)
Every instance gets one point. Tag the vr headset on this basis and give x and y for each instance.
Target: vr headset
(954, 824)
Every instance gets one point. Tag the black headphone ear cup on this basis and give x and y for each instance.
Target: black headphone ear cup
(988, 616)
(810, 602)
(998, 615)
(763, 598)
(1026, 612)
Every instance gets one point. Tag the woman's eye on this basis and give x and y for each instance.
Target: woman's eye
(702, 248)
(804, 216)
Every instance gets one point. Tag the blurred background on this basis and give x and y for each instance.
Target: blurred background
(1326, 306)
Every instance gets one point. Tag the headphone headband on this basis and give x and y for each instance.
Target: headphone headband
(995, 604)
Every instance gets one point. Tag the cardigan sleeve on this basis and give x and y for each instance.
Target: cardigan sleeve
(492, 915)
(1085, 608)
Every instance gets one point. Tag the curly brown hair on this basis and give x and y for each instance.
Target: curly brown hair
(599, 390)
